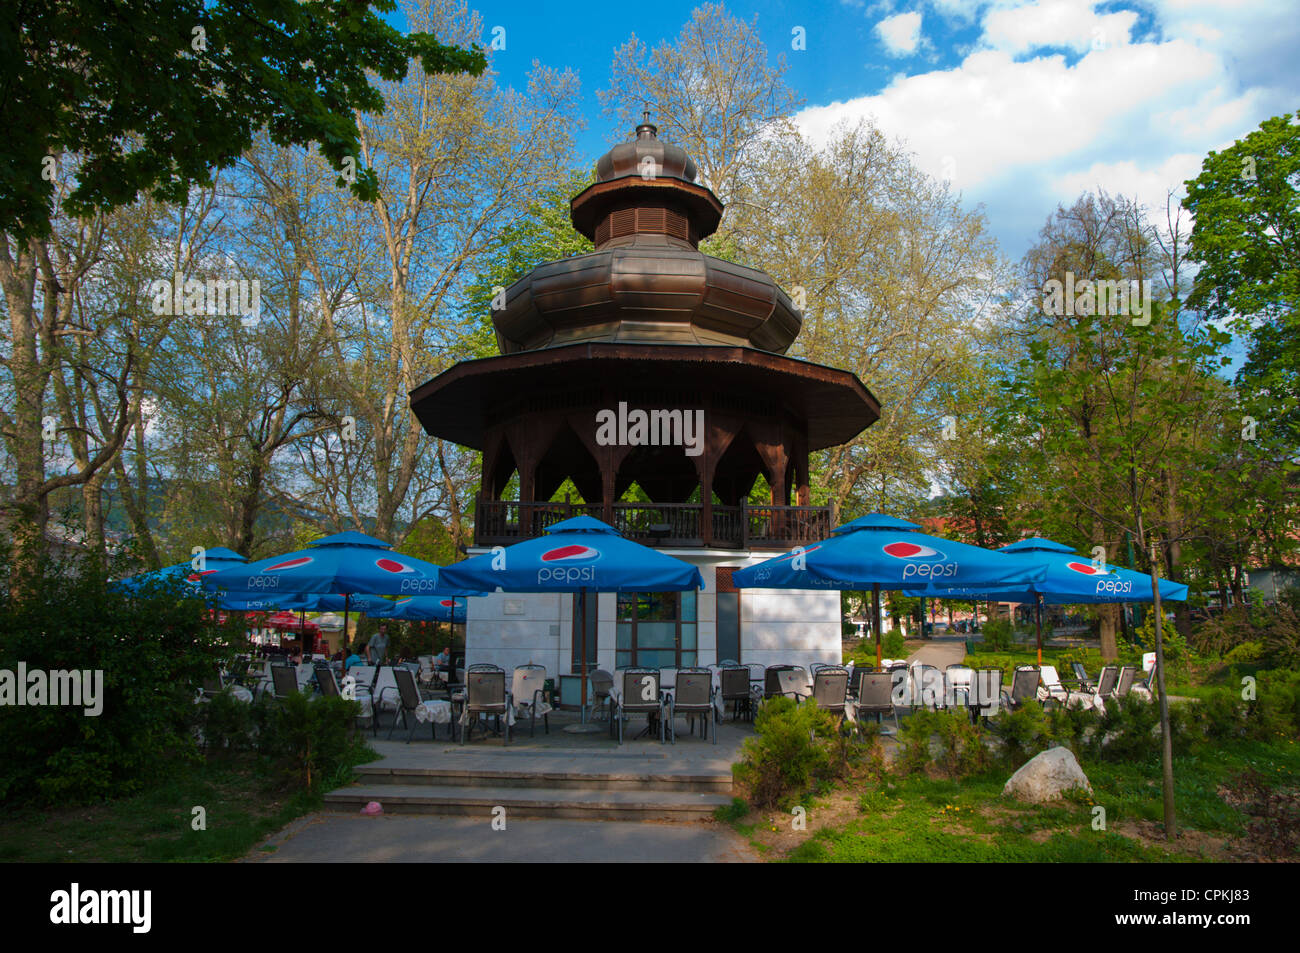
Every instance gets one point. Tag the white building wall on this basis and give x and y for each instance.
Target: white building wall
(777, 626)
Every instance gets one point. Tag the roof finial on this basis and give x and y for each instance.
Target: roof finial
(647, 129)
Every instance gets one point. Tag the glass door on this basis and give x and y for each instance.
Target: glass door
(657, 630)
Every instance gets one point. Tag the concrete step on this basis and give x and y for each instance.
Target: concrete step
(532, 802)
(567, 778)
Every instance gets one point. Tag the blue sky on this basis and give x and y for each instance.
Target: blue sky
(1021, 104)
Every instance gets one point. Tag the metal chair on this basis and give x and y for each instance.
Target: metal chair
(986, 690)
(957, 681)
(876, 697)
(1124, 684)
(693, 695)
(772, 681)
(485, 694)
(830, 690)
(1052, 690)
(927, 686)
(408, 700)
(284, 681)
(601, 683)
(735, 689)
(640, 695)
(528, 689)
(1024, 686)
(326, 682)
(793, 682)
(1086, 684)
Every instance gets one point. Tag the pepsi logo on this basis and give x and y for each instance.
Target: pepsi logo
(903, 550)
(392, 565)
(573, 553)
(1086, 568)
(449, 603)
(922, 561)
(290, 564)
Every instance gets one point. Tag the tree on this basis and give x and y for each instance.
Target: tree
(1116, 399)
(891, 272)
(713, 92)
(458, 160)
(1246, 201)
(153, 96)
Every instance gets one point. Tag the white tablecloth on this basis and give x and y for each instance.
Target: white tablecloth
(437, 711)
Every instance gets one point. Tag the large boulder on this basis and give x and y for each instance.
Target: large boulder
(1047, 776)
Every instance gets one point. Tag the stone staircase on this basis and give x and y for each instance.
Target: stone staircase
(658, 785)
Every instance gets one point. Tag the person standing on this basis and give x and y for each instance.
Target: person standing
(378, 647)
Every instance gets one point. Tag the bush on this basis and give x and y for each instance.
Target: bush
(998, 635)
(224, 722)
(313, 739)
(1128, 730)
(914, 736)
(1022, 733)
(964, 750)
(784, 757)
(154, 649)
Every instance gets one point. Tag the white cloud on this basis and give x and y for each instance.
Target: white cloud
(1021, 130)
(1068, 24)
(901, 34)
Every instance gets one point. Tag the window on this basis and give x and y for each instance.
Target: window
(656, 630)
(728, 614)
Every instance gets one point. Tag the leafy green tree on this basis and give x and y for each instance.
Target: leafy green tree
(1247, 206)
(152, 96)
(543, 233)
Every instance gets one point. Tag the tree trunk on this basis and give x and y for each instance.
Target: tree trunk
(92, 503)
(1109, 617)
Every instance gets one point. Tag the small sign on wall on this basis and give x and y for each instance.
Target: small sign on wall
(513, 607)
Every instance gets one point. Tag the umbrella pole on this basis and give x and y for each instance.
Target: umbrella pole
(875, 619)
(346, 597)
(1038, 611)
(582, 627)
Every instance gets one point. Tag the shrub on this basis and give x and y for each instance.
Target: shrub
(894, 645)
(154, 650)
(998, 635)
(1128, 730)
(313, 739)
(914, 736)
(1022, 732)
(964, 750)
(224, 722)
(784, 757)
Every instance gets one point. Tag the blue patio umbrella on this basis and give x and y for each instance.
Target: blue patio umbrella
(189, 579)
(883, 552)
(423, 609)
(346, 564)
(214, 559)
(580, 555)
(1069, 579)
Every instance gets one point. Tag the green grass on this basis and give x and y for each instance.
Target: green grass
(924, 819)
(244, 805)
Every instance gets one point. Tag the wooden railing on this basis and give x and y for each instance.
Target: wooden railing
(501, 522)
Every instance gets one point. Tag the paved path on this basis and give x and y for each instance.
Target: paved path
(940, 652)
(327, 838)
